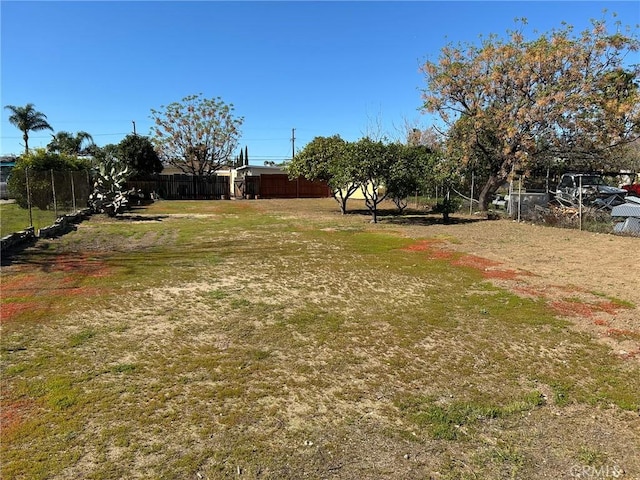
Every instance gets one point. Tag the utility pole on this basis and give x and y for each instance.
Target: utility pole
(134, 126)
(293, 153)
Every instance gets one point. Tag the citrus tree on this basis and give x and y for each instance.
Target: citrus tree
(327, 159)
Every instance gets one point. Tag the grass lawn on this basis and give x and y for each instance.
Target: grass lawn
(14, 219)
(259, 339)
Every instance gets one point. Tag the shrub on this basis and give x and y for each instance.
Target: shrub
(39, 165)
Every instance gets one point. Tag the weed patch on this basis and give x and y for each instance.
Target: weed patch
(453, 420)
(283, 340)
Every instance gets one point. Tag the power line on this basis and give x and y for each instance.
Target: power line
(40, 138)
(10, 137)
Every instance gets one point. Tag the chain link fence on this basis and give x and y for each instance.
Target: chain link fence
(41, 197)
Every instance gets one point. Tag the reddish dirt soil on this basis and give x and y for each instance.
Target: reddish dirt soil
(588, 278)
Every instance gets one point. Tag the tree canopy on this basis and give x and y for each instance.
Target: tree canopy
(380, 170)
(327, 159)
(138, 153)
(374, 163)
(40, 160)
(70, 144)
(408, 173)
(511, 102)
(197, 135)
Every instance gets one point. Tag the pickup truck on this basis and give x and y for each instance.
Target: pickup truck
(594, 190)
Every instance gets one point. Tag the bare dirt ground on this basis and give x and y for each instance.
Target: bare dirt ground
(591, 279)
(578, 273)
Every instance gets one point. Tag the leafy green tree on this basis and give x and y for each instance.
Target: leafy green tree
(70, 144)
(100, 155)
(445, 173)
(469, 149)
(327, 159)
(374, 162)
(138, 153)
(40, 163)
(27, 119)
(408, 173)
(196, 135)
(558, 92)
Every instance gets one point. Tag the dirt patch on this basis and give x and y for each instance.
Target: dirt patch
(10, 310)
(13, 414)
(588, 277)
(585, 277)
(60, 277)
(294, 359)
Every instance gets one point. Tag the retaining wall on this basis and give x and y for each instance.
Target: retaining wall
(63, 224)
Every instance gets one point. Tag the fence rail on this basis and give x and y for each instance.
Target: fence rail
(183, 187)
(44, 195)
(280, 186)
(188, 187)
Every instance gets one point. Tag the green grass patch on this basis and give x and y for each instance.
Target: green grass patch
(82, 337)
(123, 368)
(282, 342)
(14, 219)
(453, 420)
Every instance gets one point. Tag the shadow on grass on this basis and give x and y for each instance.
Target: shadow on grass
(125, 217)
(132, 215)
(426, 220)
(15, 253)
(414, 217)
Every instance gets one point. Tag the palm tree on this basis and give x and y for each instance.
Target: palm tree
(65, 142)
(26, 119)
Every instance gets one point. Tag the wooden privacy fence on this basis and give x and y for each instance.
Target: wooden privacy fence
(183, 187)
(188, 187)
(280, 186)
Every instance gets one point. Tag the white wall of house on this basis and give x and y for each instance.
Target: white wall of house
(233, 173)
(358, 195)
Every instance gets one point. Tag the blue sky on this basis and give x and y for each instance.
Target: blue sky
(323, 68)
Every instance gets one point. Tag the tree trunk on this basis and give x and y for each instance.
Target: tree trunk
(488, 190)
(25, 137)
(342, 201)
(343, 206)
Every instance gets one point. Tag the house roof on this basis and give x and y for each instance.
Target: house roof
(264, 168)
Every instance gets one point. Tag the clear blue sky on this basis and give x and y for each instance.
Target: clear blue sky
(323, 68)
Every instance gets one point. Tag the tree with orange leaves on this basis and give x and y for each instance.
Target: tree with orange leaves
(508, 103)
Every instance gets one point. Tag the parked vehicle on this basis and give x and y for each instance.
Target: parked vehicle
(6, 165)
(594, 189)
(499, 201)
(633, 189)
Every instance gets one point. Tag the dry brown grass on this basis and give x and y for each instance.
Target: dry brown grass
(278, 339)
